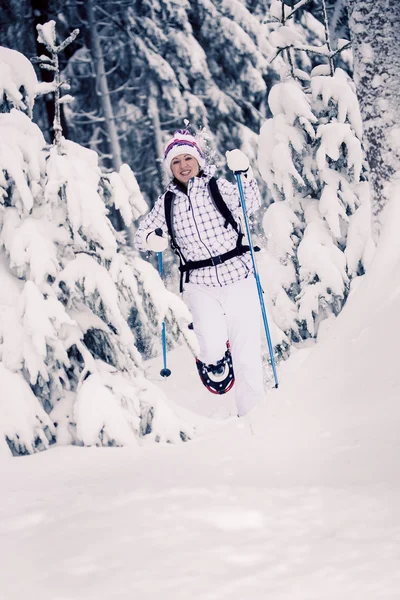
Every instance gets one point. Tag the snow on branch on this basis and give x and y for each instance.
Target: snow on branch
(296, 7)
(47, 36)
(23, 422)
(77, 312)
(18, 81)
(311, 157)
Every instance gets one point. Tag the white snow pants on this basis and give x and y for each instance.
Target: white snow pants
(230, 312)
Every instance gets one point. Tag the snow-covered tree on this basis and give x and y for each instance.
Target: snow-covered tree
(375, 35)
(203, 61)
(76, 312)
(310, 155)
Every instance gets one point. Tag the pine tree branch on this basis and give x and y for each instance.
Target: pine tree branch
(339, 50)
(312, 49)
(296, 8)
(290, 61)
(273, 21)
(277, 53)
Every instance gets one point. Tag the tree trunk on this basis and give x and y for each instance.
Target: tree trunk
(105, 101)
(157, 134)
(375, 34)
(103, 93)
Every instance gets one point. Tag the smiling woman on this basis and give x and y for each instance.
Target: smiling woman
(183, 155)
(202, 216)
(184, 167)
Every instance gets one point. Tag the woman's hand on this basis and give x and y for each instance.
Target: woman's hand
(156, 241)
(237, 161)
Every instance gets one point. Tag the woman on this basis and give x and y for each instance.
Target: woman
(219, 286)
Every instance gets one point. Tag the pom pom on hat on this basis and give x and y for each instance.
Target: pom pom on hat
(183, 142)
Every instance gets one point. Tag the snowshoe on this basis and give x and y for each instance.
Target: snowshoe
(218, 378)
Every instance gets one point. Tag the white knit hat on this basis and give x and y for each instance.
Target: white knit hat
(183, 142)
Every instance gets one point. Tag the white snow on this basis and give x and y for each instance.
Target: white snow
(276, 8)
(333, 135)
(97, 411)
(288, 98)
(284, 37)
(359, 239)
(299, 500)
(66, 99)
(20, 412)
(275, 160)
(340, 89)
(47, 34)
(16, 71)
(94, 277)
(21, 143)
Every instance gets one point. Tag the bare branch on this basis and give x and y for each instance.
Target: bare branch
(122, 87)
(47, 67)
(328, 38)
(113, 69)
(68, 41)
(87, 121)
(111, 18)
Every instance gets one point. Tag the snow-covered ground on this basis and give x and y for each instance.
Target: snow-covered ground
(297, 501)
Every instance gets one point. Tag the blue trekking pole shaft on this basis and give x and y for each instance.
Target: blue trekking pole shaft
(164, 371)
(257, 278)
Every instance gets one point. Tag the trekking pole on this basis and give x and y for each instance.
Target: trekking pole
(164, 371)
(257, 278)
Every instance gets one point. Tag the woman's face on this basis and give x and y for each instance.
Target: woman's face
(184, 167)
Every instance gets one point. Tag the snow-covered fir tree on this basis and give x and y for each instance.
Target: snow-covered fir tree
(310, 154)
(204, 62)
(76, 312)
(375, 35)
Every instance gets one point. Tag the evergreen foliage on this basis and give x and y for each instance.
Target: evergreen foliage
(310, 155)
(203, 62)
(375, 38)
(76, 312)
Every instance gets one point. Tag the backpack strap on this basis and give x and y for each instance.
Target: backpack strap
(221, 205)
(169, 220)
(169, 215)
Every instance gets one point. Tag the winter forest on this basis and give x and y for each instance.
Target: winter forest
(90, 92)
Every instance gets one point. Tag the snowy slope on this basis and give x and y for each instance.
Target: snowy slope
(297, 501)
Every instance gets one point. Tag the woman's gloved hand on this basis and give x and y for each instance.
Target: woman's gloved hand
(237, 160)
(156, 241)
